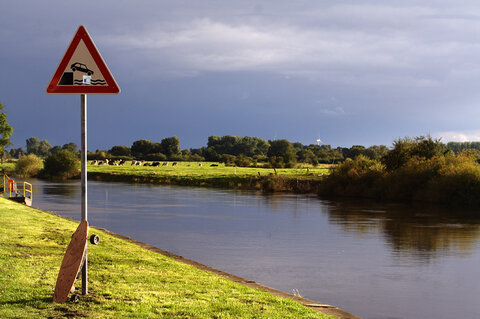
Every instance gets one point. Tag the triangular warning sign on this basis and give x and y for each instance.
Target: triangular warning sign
(82, 69)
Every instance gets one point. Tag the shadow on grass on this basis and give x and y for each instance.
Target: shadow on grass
(65, 310)
(27, 301)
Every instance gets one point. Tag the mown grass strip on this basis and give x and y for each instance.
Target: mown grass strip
(126, 280)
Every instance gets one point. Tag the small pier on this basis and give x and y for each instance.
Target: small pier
(20, 192)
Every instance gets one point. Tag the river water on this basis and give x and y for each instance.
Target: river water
(373, 260)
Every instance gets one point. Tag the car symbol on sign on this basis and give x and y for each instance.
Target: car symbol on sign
(81, 67)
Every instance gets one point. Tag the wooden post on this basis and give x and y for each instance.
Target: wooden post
(83, 98)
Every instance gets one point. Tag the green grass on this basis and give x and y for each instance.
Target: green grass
(193, 170)
(125, 280)
(191, 174)
(8, 167)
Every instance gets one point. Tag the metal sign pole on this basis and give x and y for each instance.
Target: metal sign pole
(83, 98)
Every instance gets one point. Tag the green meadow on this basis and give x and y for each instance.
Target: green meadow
(205, 171)
(125, 280)
(218, 175)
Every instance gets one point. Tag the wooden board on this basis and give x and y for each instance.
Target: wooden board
(71, 263)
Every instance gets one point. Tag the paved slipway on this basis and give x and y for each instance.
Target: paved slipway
(323, 308)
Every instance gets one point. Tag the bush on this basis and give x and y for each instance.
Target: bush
(229, 160)
(457, 182)
(358, 177)
(441, 178)
(243, 161)
(63, 164)
(28, 166)
(407, 148)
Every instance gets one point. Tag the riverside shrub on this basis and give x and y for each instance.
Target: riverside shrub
(28, 166)
(355, 177)
(457, 181)
(63, 164)
(444, 178)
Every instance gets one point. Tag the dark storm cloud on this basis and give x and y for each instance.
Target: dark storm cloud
(354, 72)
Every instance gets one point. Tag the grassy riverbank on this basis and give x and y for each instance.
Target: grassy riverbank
(303, 180)
(9, 168)
(126, 281)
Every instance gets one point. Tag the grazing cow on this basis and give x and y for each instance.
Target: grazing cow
(214, 165)
(165, 164)
(174, 164)
(105, 162)
(122, 162)
(155, 164)
(138, 163)
(200, 164)
(134, 162)
(95, 162)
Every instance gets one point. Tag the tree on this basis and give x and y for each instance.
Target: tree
(120, 150)
(235, 145)
(142, 148)
(5, 132)
(404, 149)
(307, 156)
(282, 153)
(211, 155)
(33, 144)
(55, 149)
(38, 147)
(17, 152)
(427, 147)
(399, 154)
(72, 147)
(376, 152)
(171, 146)
(354, 151)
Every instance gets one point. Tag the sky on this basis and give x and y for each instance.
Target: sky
(347, 72)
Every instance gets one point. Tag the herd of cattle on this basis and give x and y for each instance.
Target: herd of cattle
(136, 163)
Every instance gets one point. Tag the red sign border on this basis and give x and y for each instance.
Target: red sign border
(110, 88)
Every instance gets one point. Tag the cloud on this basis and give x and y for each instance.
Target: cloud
(458, 136)
(355, 44)
(209, 45)
(332, 111)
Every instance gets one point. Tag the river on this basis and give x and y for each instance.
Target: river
(373, 260)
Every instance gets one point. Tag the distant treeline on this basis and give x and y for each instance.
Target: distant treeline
(233, 150)
(457, 147)
(239, 151)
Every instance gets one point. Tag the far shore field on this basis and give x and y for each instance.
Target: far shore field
(212, 174)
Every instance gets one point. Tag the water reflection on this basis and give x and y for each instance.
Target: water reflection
(420, 231)
(66, 189)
